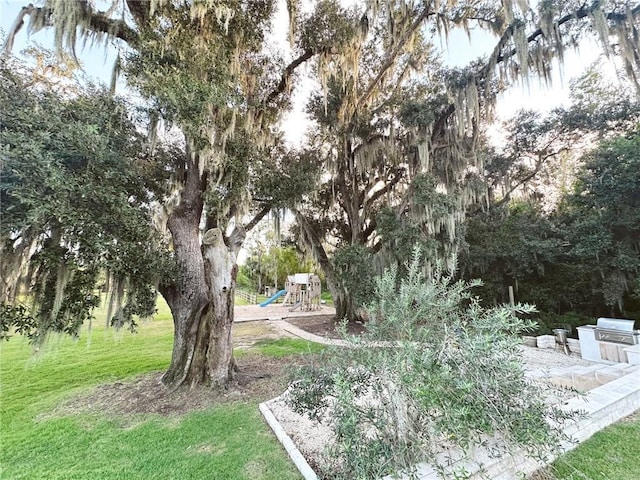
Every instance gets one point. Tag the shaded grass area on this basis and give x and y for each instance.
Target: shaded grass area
(611, 454)
(228, 441)
(287, 346)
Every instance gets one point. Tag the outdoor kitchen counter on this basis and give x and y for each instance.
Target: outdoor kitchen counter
(589, 347)
(612, 340)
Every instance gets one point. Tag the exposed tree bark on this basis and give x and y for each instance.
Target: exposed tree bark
(201, 298)
(188, 297)
(342, 300)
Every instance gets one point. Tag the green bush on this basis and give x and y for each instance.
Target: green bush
(243, 280)
(434, 370)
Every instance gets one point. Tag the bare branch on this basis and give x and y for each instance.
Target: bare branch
(256, 219)
(288, 73)
(542, 159)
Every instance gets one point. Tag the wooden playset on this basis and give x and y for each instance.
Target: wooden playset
(303, 291)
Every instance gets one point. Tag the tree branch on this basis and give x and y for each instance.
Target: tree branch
(16, 27)
(140, 10)
(375, 138)
(500, 57)
(288, 73)
(388, 186)
(116, 28)
(440, 123)
(539, 164)
(256, 219)
(97, 22)
(366, 233)
(582, 12)
(314, 241)
(394, 54)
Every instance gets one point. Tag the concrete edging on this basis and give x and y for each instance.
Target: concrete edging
(298, 459)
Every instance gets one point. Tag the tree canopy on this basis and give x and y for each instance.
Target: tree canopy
(75, 205)
(400, 135)
(559, 227)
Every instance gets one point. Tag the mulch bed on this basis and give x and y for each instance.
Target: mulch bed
(260, 378)
(324, 325)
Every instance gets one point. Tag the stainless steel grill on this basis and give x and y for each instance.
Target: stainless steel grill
(616, 330)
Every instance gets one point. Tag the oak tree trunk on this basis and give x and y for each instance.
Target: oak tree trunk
(201, 297)
(342, 299)
(202, 307)
(345, 307)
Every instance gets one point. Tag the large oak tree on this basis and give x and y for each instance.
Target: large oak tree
(399, 134)
(202, 67)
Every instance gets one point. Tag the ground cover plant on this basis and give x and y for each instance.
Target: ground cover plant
(57, 425)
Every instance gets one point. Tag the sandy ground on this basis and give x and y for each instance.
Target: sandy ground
(247, 313)
(536, 358)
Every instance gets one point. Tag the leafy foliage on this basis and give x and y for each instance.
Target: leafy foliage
(605, 216)
(561, 224)
(74, 204)
(355, 272)
(275, 264)
(390, 115)
(434, 370)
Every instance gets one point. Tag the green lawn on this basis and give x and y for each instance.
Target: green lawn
(229, 441)
(611, 454)
(287, 346)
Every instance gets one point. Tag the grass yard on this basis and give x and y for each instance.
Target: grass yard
(287, 346)
(611, 454)
(226, 441)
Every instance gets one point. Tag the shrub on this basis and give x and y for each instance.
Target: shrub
(434, 370)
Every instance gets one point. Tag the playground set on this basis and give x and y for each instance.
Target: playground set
(302, 291)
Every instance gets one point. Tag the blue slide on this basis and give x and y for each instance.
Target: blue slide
(276, 296)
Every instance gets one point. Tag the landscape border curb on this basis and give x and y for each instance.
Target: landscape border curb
(296, 456)
(603, 406)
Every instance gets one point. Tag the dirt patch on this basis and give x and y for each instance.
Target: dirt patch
(245, 334)
(260, 378)
(324, 325)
